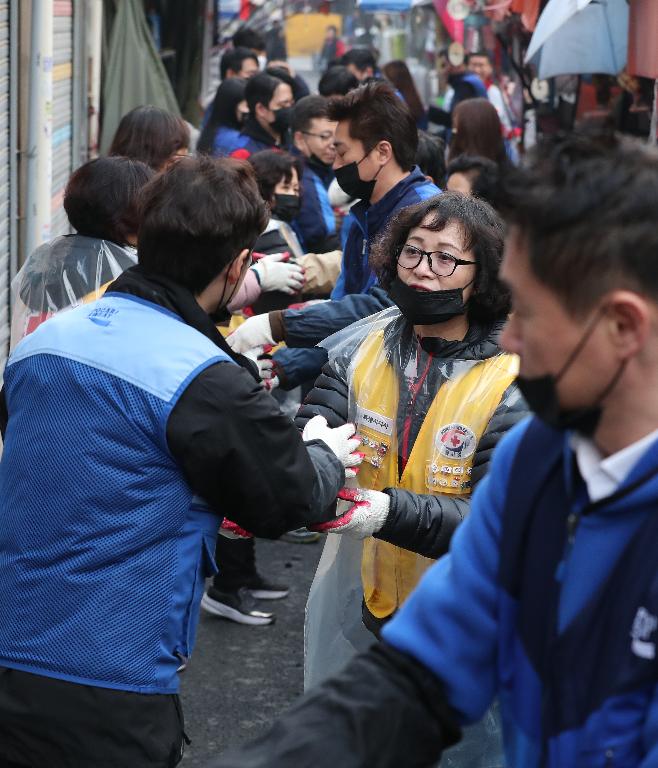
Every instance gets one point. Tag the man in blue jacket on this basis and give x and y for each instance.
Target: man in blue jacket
(129, 431)
(376, 141)
(313, 136)
(548, 598)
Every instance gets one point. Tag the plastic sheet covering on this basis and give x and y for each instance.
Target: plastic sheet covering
(63, 273)
(334, 631)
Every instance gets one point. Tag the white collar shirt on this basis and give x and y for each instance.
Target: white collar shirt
(603, 475)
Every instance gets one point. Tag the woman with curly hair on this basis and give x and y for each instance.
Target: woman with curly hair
(431, 394)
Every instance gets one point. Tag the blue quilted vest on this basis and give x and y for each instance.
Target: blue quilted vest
(578, 697)
(103, 548)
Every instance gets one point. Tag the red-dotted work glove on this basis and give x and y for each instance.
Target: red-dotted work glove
(254, 332)
(361, 513)
(266, 367)
(231, 530)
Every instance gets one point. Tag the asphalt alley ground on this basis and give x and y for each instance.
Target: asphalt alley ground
(241, 678)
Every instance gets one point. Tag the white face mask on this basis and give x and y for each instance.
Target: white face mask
(262, 61)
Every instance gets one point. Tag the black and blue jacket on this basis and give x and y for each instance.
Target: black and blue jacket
(546, 601)
(356, 275)
(315, 224)
(251, 139)
(549, 602)
(356, 294)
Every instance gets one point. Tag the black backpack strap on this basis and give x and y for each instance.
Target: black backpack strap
(537, 458)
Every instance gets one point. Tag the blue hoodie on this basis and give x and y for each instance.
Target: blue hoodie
(561, 629)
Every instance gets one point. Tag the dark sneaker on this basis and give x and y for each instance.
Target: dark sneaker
(301, 536)
(262, 589)
(236, 606)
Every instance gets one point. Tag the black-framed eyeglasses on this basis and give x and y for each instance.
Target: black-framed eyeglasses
(443, 264)
(325, 137)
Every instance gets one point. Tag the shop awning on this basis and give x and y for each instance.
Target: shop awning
(385, 6)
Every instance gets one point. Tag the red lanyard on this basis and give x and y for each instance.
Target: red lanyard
(406, 432)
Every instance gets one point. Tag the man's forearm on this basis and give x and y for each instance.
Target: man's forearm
(383, 710)
(311, 325)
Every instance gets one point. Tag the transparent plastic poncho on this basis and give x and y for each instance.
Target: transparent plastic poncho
(334, 631)
(63, 273)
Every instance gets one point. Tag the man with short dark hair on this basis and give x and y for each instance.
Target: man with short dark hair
(313, 136)
(548, 599)
(238, 62)
(464, 85)
(246, 37)
(337, 81)
(270, 102)
(130, 431)
(250, 38)
(479, 63)
(361, 63)
(376, 140)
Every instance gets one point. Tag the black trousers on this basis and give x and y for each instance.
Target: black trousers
(236, 560)
(49, 723)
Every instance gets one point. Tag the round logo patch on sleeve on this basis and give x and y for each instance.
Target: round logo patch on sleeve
(456, 441)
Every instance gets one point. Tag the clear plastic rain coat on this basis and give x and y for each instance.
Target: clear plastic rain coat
(63, 273)
(420, 417)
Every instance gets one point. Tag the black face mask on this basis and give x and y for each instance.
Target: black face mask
(281, 121)
(352, 184)
(541, 395)
(286, 207)
(427, 307)
(220, 316)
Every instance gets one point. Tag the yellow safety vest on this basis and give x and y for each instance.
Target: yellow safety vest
(441, 459)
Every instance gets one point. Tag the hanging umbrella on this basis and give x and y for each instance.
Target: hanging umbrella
(575, 37)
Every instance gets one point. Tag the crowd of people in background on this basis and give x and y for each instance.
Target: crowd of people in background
(318, 281)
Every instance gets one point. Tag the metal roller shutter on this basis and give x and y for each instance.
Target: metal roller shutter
(62, 111)
(4, 183)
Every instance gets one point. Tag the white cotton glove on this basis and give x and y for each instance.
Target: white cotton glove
(254, 332)
(361, 513)
(275, 274)
(339, 439)
(265, 364)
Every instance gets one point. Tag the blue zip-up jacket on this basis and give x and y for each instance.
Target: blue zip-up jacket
(356, 275)
(315, 224)
(227, 140)
(549, 603)
(251, 139)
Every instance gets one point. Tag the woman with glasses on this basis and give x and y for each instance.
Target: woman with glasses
(431, 394)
